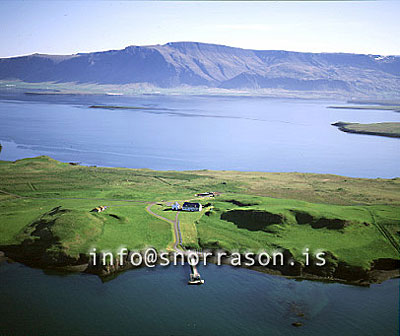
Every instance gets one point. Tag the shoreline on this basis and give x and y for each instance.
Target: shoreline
(394, 108)
(132, 90)
(375, 275)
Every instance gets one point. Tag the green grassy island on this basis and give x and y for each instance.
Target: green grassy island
(46, 218)
(387, 129)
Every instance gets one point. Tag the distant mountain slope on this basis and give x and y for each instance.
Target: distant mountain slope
(210, 65)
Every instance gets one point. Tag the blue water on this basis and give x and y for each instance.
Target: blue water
(182, 133)
(158, 301)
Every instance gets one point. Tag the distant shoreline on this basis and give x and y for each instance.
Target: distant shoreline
(126, 90)
(395, 108)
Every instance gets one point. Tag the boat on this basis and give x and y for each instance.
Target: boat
(195, 279)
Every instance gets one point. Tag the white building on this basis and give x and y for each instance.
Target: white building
(175, 206)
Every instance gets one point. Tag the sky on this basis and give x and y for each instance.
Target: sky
(68, 27)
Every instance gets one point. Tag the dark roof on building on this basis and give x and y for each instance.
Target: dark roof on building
(192, 205)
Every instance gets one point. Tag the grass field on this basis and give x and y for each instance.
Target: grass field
(45, 204)
(346, 231)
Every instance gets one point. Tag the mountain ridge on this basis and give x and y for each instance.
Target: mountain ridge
(199, 64)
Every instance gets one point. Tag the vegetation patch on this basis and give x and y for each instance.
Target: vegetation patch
(240, 203)
(59, 236)
(253, 220)
(303, 217)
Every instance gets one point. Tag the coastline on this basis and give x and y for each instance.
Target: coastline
(394, 108)
(381, 271)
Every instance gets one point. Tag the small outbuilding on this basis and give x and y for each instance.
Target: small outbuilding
(100, 208)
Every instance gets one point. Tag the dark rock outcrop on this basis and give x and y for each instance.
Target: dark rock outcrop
(385, 264)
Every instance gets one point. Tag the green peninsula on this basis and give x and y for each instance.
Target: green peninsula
(46, 217)
(387, 129)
